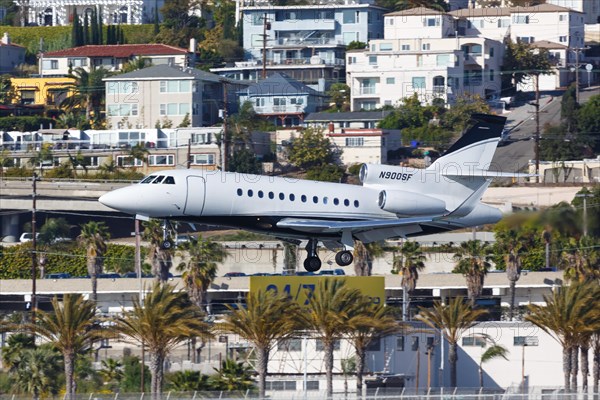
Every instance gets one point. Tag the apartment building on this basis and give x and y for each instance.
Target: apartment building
(590, 8)
(305, 42)
(163, 95)
(422, 54)
(11, 55)
(110, 57)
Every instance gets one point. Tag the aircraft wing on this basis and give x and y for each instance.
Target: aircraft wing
(325, 226)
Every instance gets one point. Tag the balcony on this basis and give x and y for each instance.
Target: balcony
(308, 42)
(306, 61)
(473, 58)
(367, 90)
(304, 25)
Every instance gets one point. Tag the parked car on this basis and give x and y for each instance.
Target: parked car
(28, 237)
(111, 275)
(234, 274)
(337, 271)
(60, 275)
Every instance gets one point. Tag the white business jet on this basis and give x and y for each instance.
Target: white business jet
(392, 201)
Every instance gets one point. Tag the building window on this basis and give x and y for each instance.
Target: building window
(279, 101)
(418, 82)
(50, 64)
(503, 23)
(405, 47)
(562, 17)
(375, 345)
(385, 47)
(372, 60)
(127, 161)
(426, 46)
(355, 142)
(525, 39)
(257, 18)
(203, 159)
(431, 22)
(290, 345)
(442, 60)
(390, 81)
(562, 39)
(473, 341)
(320, 347)
(492, 73)
(351, 60)
(174, 109)
(350, 17)
(526, 341)
(400, 343)
(389, 21)
(175, 86)
(491, 52)
(521, 19)
(367, 105)
(201, 138)
(161, 159)
(78, 62)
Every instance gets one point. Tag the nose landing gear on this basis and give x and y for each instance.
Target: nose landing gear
(167, 243)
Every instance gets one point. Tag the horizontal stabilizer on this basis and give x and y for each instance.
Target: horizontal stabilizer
(488, 174)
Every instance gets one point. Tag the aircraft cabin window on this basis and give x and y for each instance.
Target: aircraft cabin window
(250, 193)
(281, 196)
(325, 200)
(303, 198)
(169, 181)
(240, 192)
(356, 203)
(315, 199)
(336, 201)
(271, 195)
(148, 179)
(260, 194)
(292, 197)
(346, 202)
(159, 179)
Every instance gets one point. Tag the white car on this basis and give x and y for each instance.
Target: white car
(27, 237)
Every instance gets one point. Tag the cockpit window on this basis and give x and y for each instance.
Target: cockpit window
(159, 179)
(169, 180)
(148, 179)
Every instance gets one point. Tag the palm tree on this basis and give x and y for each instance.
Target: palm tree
(94, 236)
(15, 345)
(112, 372)
(161, 258)
(188, 381)
(581, 260)
(233, 375)
(110, 167)
(451, 320)
(201, 268)
(70, 328)
(266, 318)
(569, 315)
(364, 256)
(328, 314)
(494, 351)
(38, 371)
(408, 265)
(371, 322)
(88, 90)
(166, 319)
(473, 261)
(513, 273)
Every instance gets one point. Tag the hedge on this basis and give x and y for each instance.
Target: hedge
(15, 261)
(26, 124)
(59, 37)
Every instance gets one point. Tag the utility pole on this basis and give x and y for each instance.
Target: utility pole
(33, 252)
(577, 50)
(266, 27)
(537, 127)
(224, 135)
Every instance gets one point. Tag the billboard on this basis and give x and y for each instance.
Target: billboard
(300, 288)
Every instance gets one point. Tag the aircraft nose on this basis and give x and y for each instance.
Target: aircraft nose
(116, 200)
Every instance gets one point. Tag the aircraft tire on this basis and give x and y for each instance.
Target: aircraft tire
(312, 264)
(344, 258)
(166, 245)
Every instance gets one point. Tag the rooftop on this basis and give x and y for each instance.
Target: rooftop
(164, 71)
(492, 12)
(117, 51)
(416, 12)
(346, 116)
(279, 84)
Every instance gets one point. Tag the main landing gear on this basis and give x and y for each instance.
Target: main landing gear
(313, 262)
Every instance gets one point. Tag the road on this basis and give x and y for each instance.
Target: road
(515, 155)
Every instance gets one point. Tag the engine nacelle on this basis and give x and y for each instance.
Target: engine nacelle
(409, 203)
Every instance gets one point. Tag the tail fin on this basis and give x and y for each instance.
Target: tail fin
(475, 148)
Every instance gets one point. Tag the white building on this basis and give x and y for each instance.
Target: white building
(11, 55)
(421, 54)
(110, 57)
(60, 12)
(591, 8)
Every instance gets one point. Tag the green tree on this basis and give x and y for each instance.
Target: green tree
(266, 318)
(132, 375)
(179, 24)
(200, 270)
(53, 229)
(166, 319)
(457, 118)
(70, 328)
(581, 260)
(568, 109)
(244, 161)
(188, 381)
(369, 323)
(355, 45)
(339, 95)
(408, 264)
(87, 91)
(15, 345)
(473, 261)
(233, 375)
(7, 91)
(37, 372)
(325, 173)
(452, 320)
(112, 373)
(569, 314)
(135, 64)
(311, 149)
(588, 119)
(328, 314)
(94, 236)
(160, 258)
(492, 352)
